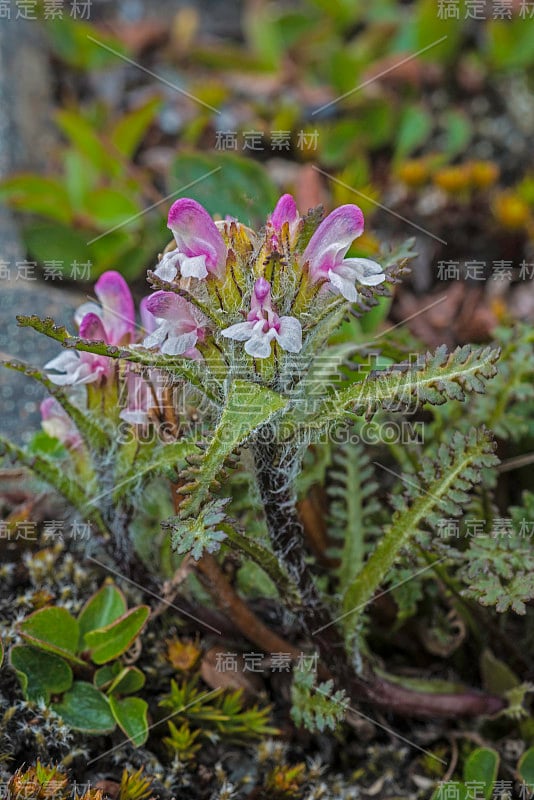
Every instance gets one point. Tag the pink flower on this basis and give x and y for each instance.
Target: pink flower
(200, 248)
(326, 251)
(177, 326)
(284, 211)
(143, 396)
(113, 322)
(56, 422)
(263, 325)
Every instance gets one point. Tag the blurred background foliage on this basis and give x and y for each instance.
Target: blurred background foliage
(395, 105)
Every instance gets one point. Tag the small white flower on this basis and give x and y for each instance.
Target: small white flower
(263, 326)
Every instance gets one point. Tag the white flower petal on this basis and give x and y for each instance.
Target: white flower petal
(167, 272)
(367, 272)
(290, 334)
(241, 331)
(87, 308)
(343, 285)
(157, 336)
(194, 267)
(259, 345)
(177, 345)
(63, 362)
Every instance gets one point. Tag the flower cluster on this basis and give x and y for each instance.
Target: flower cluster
(219, 282)
(210, 251)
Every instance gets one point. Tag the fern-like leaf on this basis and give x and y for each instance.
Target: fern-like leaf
(441, 489)
(193, 372)
(93, 435)
(248, 406)
(352, 490)
(432, 379)
(56, 477)
(316, 707)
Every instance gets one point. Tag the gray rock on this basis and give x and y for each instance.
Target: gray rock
(25, 139)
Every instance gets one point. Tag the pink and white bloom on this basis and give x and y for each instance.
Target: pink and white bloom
(326, 252)
(178, 325)
(200, 248)
(56, 422)
(112, 321)
(263, 325)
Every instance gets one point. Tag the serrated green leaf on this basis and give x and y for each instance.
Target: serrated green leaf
(248, 406)
(90, 431)
(475, 451)
(435, 378)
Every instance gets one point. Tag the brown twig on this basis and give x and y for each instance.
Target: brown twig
(251, 627)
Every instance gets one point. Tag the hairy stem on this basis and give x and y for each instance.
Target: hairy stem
(275, 468)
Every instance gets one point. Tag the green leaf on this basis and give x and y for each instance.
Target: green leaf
(113, 640)
(414, 129)
(128, 132)
(81, 44)
(43, 444)
(40, 674)
(425, 34)
(168, 460)
(85, 709)
(80, 176)
(37, 194)
(455, 471)
(92, 434)
(264, 558)
(316, 707)
(52, 474)
(525, 767)
(248, 406)
(128, 681)
(105, 675)
(195, 372)
(482, 765)
(237, 186)
(49, 241)
(497, 677)
(54, 630)
(103, 608)
(130, 714)
(351, 488)
(200, 533)
(458, 132)
(107, 208)
(510, 43)
(435, 378)
(82, 134)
